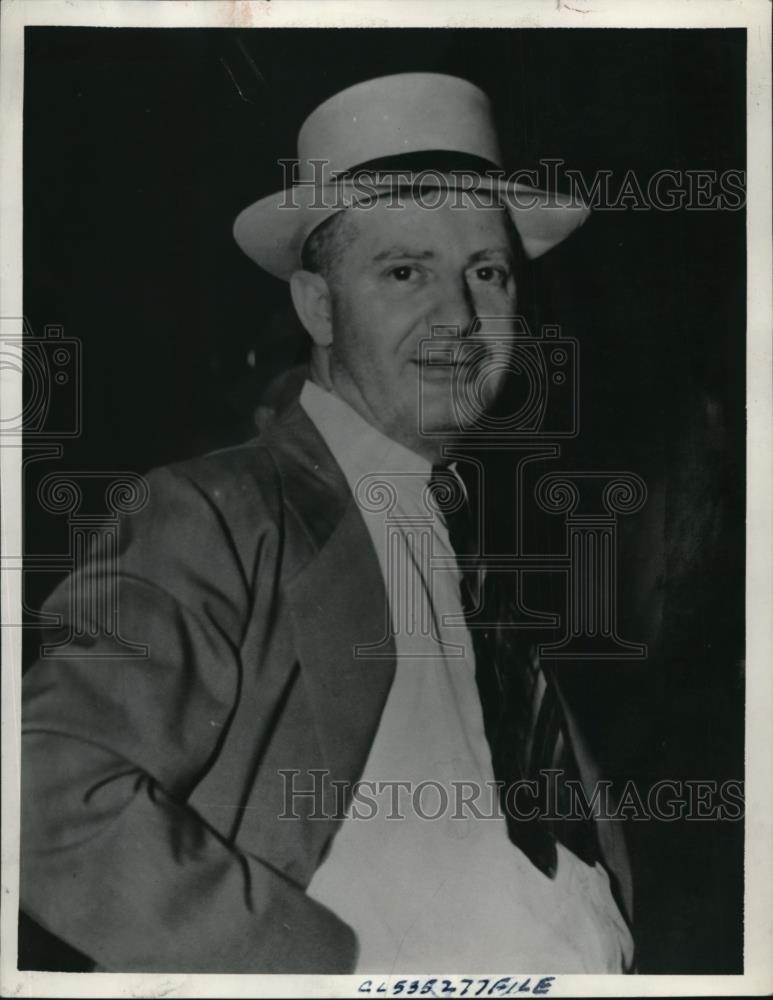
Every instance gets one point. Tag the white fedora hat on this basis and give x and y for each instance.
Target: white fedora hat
(433, 127)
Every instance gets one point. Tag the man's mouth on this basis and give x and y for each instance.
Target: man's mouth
(443, 365)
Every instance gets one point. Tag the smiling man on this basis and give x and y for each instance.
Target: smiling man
(398, 276)
(256, 794)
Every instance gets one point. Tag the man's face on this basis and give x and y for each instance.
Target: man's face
(407, 272)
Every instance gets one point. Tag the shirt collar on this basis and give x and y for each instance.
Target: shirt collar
(358, 447)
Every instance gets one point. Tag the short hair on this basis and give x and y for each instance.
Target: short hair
(326, 245)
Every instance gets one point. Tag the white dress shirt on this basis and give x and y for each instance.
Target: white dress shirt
(450, 894)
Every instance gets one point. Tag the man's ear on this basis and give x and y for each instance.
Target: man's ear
(311, 298)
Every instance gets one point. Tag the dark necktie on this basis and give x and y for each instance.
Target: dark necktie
(522, 714)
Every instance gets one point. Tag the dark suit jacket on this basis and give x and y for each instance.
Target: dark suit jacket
(152, 786)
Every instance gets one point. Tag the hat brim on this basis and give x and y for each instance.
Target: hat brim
(272, 231)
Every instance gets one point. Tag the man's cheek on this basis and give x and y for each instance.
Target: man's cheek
(494, 302)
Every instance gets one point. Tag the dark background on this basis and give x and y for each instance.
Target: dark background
(141, 146)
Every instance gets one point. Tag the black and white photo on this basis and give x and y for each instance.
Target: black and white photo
(387, 447)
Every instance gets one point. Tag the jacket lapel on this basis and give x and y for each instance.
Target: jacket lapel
(335, 589)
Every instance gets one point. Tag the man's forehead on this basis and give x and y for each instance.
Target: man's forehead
(426, 230)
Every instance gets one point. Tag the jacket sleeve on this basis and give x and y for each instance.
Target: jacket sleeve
(113, 859)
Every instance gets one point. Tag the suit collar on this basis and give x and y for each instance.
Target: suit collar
(336, 593)
(313, 485)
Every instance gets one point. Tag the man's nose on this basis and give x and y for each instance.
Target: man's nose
(455, 308)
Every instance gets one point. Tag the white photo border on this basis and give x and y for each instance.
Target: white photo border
(754, 15)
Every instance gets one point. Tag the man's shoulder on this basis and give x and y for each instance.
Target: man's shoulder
(227, 473)
(254, 476)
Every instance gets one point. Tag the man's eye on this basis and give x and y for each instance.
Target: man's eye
(491, 275)
(403, 273)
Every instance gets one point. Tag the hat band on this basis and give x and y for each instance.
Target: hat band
(441, 161)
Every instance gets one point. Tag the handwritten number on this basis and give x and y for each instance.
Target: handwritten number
(505, 986)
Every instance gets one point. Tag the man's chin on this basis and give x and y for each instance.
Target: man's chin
(444, 419)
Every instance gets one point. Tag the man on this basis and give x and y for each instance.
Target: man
(177, 810)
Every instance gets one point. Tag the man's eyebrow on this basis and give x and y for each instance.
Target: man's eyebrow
(403, 253)
(491, 252)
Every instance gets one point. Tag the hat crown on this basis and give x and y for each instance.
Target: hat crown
(392, 115)
(405, 121)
